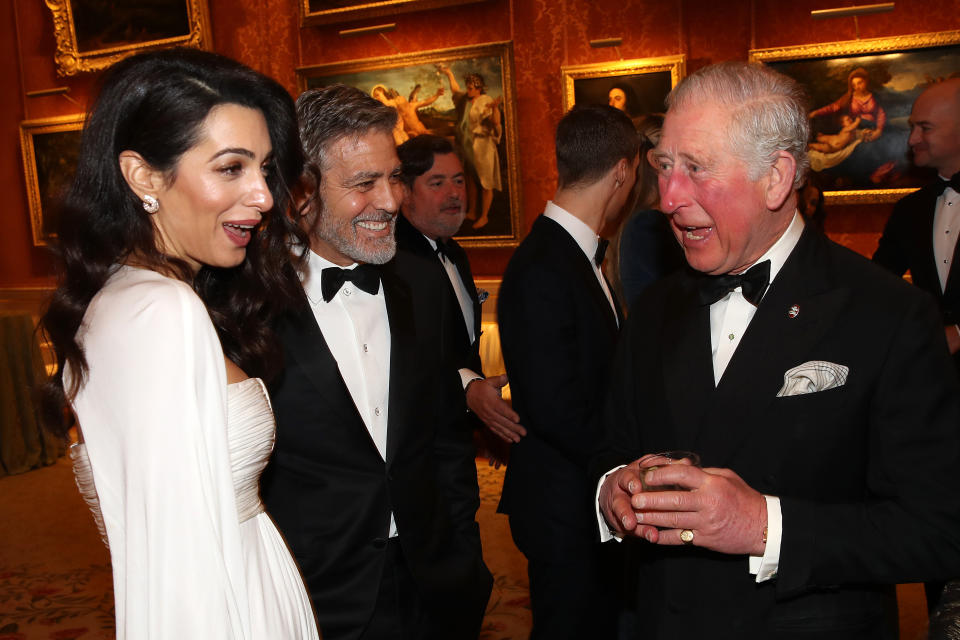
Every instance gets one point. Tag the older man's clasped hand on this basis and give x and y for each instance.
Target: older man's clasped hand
(723, 512)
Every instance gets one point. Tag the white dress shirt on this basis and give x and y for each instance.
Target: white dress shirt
(356, 328)
(586, 239)
(729, 318)
(946, 226)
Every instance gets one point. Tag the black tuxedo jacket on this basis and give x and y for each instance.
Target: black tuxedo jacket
(907, 244)
(867, 473)
(331, 493)
(557, 332)
(410, 240)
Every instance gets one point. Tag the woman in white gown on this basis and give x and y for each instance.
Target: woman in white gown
(172, 240)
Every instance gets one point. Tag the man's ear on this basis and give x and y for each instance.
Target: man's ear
(406, 195)
(779, 183)
(142, 178)
(621, 170)
(302, 190)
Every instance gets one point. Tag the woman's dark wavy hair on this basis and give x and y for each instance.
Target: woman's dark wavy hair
(155, 104)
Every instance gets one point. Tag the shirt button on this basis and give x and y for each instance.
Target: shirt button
(377, 411)
(731, 336)
(366, 348)
(347, 291)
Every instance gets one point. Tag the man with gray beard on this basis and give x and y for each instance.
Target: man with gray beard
(372, 481)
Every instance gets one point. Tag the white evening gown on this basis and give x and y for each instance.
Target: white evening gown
(172, 460)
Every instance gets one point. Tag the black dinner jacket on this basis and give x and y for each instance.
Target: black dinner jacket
(557, 332)
(409, 239)
(858, 517)
(907, 244)
(331, 493)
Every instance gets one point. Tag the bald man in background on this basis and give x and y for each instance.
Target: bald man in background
(921, 234)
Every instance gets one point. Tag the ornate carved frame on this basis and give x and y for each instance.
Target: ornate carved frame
(361, 10)
(849, 48)
(676, 65)
(71, 61)
(29, 131)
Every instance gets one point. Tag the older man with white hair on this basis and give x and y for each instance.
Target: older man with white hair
(815, 387)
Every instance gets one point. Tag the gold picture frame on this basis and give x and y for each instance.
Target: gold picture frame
(50, 148)
(647, 81)
(90, 39)
(901, 67)
(312, 15)
(419, 75)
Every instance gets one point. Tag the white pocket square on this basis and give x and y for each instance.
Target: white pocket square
(813, 376)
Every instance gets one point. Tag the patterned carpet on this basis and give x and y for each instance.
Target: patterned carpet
(55, 581)
(55, 573)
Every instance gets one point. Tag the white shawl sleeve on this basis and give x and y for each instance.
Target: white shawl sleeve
(153, 414)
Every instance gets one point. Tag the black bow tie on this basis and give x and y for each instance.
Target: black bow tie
(365, 276)
(443, 250)
(953, 183)
(602, 244)
(752, 284)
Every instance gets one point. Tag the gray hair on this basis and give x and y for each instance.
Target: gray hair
(768, 112)
(328, 114)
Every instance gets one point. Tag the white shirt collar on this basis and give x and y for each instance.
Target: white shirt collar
(945, 179)
(310, 276)
(582, 234)
(783, 247)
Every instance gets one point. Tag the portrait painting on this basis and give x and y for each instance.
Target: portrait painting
(50, 149)
(315, 12)
(465, 95)
(636, 87)
(861, 94)
(93, 34)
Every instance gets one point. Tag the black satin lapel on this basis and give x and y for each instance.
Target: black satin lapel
(580, 264)
(400, 313)
(777, 340)
(309, 349)
(951, 292)
(466, 274)
(616, 302)
(590, 283)
(929, 277)
(687, 362)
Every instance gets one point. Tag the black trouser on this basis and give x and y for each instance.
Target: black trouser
(575, 586)
(398, 614)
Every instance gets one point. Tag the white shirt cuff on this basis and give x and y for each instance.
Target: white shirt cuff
(765, 567)
(467, 375)
(605, 532)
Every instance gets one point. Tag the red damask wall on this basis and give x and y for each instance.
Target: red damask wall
(546, 34)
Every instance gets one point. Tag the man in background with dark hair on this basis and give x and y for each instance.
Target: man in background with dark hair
(372, 481)
(431, 212)
(558, 327)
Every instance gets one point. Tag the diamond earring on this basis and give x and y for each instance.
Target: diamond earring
(150, 204)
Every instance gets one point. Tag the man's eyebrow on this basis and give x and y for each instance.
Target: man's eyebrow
(363, 176)
(440, 176)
